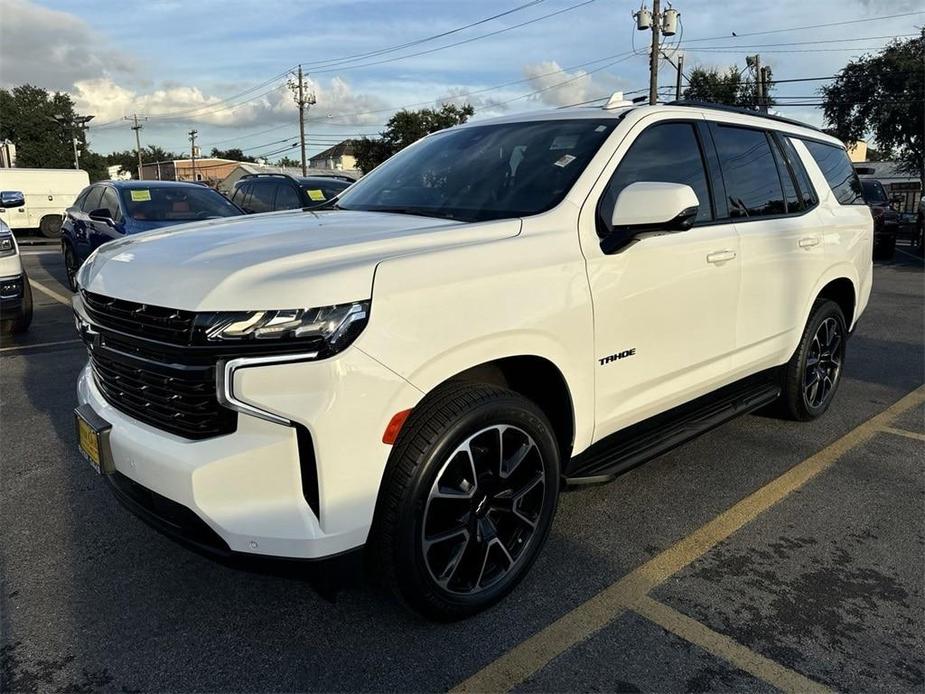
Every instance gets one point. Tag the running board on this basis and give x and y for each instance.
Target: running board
(641, 442)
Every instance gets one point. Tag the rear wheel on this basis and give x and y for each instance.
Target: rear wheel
(467, 500)
(813, 374)
(50, 226)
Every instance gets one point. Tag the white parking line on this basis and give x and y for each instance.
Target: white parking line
(51, 293)
(39, 344)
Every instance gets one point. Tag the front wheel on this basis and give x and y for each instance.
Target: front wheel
(467, 501)
(814, 372)
(71, 266)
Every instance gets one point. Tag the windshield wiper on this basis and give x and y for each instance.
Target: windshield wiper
(416, 211)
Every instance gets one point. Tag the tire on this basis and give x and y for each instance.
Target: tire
(819, 359)
(885, 249)
(22, 323)
(71, 266)
(493, 525)
(50, 226)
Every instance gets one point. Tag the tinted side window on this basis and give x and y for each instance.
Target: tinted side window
(237, 195)
(92, 201)
(753, 186)
(837, 169)
(666, 153)
(791, 196)
(287, 198)
(244, 199)
(261, 199)
(796, 165)
(110, 201)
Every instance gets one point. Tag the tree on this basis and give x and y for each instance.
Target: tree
(881, 96)
(234, 154)
(729, 87)
(404, 128)
(288, 162)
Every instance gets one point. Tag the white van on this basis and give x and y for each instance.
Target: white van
(48, 193)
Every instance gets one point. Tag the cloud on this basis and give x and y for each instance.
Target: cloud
(460, 96)
(173, 103)
(557, 87)
(53, 49)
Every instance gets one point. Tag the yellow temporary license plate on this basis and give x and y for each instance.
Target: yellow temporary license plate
(93, 438)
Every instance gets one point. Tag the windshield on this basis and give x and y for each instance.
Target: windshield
(175, 204)
(487, 172)
(873, 191)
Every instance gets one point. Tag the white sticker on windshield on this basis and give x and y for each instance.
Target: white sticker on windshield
(564, 142)
(564, 160)
(600, 128)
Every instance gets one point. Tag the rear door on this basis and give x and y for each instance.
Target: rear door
(781, 237)
(101, 232)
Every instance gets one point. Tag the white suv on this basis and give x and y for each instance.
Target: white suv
(501, 309)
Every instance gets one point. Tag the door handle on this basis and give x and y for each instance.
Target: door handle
(809, 242)
(720, 256)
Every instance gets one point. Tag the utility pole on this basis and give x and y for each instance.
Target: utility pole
(677, 87)
(192, 150)
(303, 98)
(654, 55)
(660, 24)
(765, 79)
(137, 128)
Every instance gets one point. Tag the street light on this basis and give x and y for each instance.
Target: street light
(78, 123)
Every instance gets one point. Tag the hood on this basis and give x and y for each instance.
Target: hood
(278, 260)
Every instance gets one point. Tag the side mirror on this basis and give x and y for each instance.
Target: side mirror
(650, 206)
(12, 198)
(102, 215)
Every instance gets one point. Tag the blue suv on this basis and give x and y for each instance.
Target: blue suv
(111, 209)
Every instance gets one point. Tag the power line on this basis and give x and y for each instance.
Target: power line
(804, 43)
(382, 51)
(810, 26)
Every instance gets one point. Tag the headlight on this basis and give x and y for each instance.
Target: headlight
(330, 328)
(7, 244)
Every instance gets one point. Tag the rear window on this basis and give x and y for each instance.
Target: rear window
(836, 167)
(753, 185)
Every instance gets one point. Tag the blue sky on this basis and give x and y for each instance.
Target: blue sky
(159, 58)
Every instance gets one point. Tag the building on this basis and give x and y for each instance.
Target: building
(117, 174)
(209, 170)
(857, 151)
(246, 168)
(897, 183)
(339, 157)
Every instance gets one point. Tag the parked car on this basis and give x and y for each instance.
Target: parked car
(918, 242)
(47, 193)
(886, 218)
(500, 309)
(113, 209)
(269, 192)
(15, 290)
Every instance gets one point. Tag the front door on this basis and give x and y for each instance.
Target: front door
(664, 306)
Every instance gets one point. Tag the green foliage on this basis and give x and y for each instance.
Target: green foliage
(404, 128)
(234, 154)
(882, 96)
(288, 162)
(729, 87)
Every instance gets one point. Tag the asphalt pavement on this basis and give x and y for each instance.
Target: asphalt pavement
(763, 555)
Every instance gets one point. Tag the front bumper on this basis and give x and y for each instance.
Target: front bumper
(12, 296)
(243, 492)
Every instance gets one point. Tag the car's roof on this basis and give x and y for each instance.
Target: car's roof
(689, 109)
(128, 185)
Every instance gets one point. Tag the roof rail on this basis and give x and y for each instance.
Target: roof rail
(740, 109)
(267, 173)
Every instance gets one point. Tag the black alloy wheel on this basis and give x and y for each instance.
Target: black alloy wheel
(483, 509)
(823, 364)
(70, 267)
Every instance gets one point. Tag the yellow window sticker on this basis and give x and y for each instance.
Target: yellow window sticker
(141, 195)
(315, 195)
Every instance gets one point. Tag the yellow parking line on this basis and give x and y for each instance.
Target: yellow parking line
(50, 292)
(903, 432)
(537, 651)
(723, 647)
